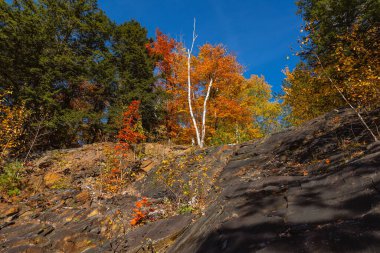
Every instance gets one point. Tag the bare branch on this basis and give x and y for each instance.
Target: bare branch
(346, 100)
(34, 139)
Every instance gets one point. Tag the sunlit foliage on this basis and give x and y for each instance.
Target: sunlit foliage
(340, 53)
(12, 119)
(238, 109)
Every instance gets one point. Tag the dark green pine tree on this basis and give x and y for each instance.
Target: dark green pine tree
(78, 65)
(73, 68)
(134, 78)
(55, 54)
(326, 20)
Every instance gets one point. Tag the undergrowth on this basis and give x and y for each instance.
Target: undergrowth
(11, 178)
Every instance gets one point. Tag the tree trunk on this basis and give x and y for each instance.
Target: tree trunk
(189, 51)
(205, 112)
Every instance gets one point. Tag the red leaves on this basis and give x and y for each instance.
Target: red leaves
(131, 131)
(141, 211)
(163, 47)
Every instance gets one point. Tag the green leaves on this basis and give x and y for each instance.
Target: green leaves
(11, 178)
(71, 65)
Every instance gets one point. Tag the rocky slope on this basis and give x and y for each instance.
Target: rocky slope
(315, 188)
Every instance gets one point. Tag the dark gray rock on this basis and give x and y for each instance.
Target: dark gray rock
(306, 193)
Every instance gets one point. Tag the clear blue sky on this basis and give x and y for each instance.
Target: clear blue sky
(260, 32)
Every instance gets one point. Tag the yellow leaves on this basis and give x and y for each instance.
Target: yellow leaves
(354, 67)
(93, 213)
(12, 119)
(186, 177)
(358, 65)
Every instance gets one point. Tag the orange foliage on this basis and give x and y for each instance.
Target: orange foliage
(131, 131)
(358, 66)
(113, 180)
(225, 105)
(141, 211)
(163, 47)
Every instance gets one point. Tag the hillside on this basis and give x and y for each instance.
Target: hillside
(314, 188)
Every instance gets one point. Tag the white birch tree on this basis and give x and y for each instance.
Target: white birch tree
(200, 134)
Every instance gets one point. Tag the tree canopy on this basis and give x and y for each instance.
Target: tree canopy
(74, 69)
(239, 109)
(73, 73)
(340, 56)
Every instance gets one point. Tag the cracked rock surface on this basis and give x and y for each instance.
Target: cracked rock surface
(314, 188)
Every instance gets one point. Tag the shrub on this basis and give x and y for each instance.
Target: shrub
(140, 213)
(12, 118)
(184, 209)
(11, 178)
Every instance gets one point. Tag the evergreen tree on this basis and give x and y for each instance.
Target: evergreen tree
(135, 71)
(326, 20)
(73, 67)
(340, 57)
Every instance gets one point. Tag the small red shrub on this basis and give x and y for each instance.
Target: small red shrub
(140, 213)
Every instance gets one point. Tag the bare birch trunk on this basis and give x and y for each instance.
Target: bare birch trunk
(189, 52)
(205, 112)
(200, 136)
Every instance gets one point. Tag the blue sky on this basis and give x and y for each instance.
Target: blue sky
(260, 32)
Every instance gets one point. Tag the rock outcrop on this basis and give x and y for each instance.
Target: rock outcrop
(310, 189)
(315, 188)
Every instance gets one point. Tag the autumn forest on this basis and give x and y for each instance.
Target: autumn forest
(68, 73)
(119, 137)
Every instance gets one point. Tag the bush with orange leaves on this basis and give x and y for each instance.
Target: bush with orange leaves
(116, 173)
(131, 131)
(140, 213)
(12, 119)
(130, 134)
